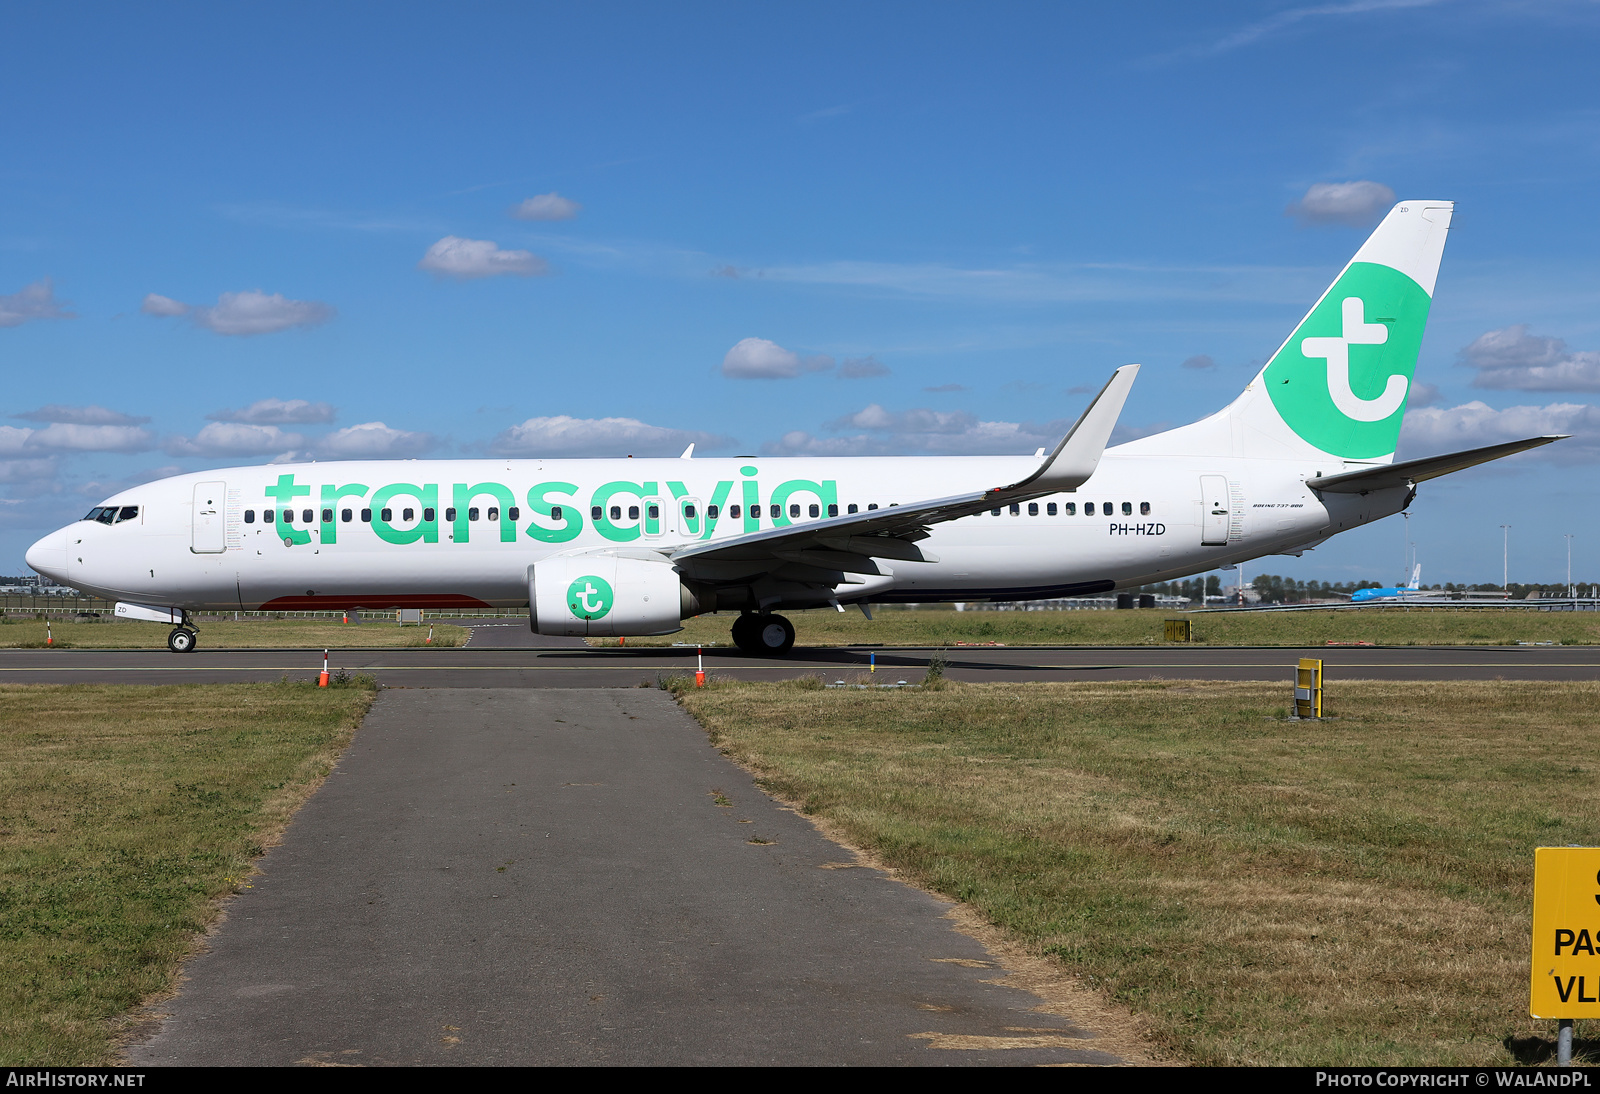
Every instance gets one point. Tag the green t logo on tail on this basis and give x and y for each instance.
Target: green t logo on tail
(590, 597)
(1341, 380)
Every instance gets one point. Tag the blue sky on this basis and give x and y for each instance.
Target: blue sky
(233, 232)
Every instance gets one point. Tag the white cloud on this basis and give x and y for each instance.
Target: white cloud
(759, 359)
(468, 259)
(1421, 395)
(156, 304)
(1433, 430)
(1356, 204)
(80, 415)
(551, 206)
(277, 412)
(374, 440)
(35, 301)
(13, 439)
(566, 436)
(30, 472)
(919, 431)
(234, 439)
(944, 388)
(861, 368)
(256, 312)
(243, 313)
(919, 420)
(72, 437)
(1512, 358)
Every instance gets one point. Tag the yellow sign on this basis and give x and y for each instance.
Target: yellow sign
(1566, 933)
(1177, 630)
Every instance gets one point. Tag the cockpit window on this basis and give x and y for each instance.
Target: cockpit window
(93, 514)
(108, 515)
(129, 512)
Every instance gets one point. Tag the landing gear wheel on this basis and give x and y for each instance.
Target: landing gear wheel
(763, 635)
(744, 633)
(182, 640)
(774, 635)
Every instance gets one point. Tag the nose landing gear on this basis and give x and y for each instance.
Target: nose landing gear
(182, 640)
(763, 635)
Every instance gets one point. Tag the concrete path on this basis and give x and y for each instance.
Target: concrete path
(520, 876)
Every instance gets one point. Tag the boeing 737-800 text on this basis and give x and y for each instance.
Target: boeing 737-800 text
(633, 546)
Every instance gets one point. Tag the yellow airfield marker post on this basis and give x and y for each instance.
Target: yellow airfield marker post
(1308, 688)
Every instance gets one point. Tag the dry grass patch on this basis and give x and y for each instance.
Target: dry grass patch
(125, 813)
(225, 634)
(1355, 891)
(1382, 626)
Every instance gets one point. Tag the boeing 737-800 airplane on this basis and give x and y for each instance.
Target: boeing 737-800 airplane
(633, 546)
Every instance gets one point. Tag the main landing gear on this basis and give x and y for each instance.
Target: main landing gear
(763, 635)
(182, 640)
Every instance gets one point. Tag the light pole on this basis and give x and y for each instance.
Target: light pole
(1405, 564)
(1569, 563)
(1505, 560)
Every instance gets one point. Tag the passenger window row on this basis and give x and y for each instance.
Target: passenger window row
(110, 514)
(1070, 508)
(107, 515)
(714, 512)
(307, 516)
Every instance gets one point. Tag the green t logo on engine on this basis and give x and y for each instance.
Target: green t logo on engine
(590, 597)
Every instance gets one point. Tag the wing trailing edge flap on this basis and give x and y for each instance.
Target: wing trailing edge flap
(1412, 472)
(851, 543)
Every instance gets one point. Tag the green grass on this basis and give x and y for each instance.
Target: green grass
(1381, 626)
(1354, 891)
(223, 634)
(125, 813)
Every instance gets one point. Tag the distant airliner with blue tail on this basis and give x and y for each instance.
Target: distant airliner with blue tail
(1399, 592)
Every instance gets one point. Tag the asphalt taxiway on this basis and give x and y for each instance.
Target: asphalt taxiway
(552, 663)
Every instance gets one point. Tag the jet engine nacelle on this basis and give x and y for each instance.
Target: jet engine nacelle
(606, 596)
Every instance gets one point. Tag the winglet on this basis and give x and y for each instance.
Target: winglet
(1078, 454)
(688, 453)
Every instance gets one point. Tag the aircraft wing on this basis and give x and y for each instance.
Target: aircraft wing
(1412, 472)
(822, 551)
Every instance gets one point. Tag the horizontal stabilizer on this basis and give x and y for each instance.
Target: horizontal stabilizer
(1414, 471)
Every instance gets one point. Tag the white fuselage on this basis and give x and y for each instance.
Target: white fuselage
(202, 541)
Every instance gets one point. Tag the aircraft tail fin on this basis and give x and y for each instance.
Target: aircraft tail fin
(1416, 577)
(1337, 387)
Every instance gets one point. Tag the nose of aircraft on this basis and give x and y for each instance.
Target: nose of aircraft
(49, 556)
